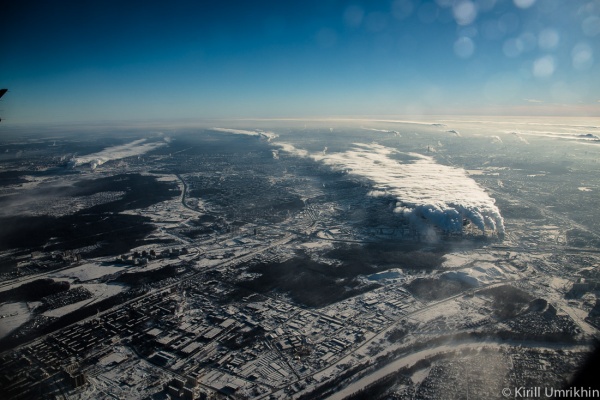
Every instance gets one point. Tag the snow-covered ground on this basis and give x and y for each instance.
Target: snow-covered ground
(12, 316)
(87, 272)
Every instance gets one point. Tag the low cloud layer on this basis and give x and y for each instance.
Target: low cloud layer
(574, 136)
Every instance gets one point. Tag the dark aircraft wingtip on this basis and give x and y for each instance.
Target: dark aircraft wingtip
(2, 91)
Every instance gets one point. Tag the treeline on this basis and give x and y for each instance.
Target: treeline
(34, 291)
(432, 289)
(360, 259)
(137, 279)
(309, 283)
(508, 301)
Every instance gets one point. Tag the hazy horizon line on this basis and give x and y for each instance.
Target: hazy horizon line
(190, 121)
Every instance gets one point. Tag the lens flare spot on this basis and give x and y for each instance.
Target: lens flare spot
(591, 26)
(582, 57)
(464, 47)
(464, 12)
(548, 39)
(544, 67)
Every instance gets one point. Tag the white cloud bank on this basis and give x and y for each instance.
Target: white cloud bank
(135, 148)
(423, 189)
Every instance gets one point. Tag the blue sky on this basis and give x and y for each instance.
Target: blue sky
(104, 60)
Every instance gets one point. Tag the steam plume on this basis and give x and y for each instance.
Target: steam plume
(424, 190)
(267, 135)
(135, 148)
